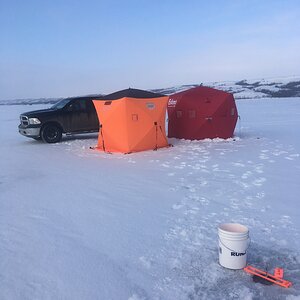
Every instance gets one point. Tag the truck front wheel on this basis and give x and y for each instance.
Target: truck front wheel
(51, 133)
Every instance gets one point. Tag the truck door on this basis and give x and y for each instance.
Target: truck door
(93, 123)
(76, 116)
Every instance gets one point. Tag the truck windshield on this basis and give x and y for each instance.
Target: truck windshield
(61, 103)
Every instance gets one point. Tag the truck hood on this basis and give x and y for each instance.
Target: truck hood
(34, 113)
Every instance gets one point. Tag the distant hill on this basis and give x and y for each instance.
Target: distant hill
(249, 89)
(243, 89)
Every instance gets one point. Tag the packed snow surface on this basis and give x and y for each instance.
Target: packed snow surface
(77, 223)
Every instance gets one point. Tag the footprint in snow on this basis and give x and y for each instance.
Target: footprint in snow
(246, 175)
(203, 182)
(203, 201)
(242, 184)
(177, 206)
(165, 165)
(190, 188)
(173, 189)
(260, 195)
(285, 220)
(171, 174)
(215, 167)
(145, 262)
(259, 169)
(292, 156)
(136, 297)
(196, 167)
(259, 181)
(193, 197)
(263, 156)
(179, 167)
(279, 152)
(238, 164)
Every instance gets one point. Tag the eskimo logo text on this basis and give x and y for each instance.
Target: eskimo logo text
(172, 102)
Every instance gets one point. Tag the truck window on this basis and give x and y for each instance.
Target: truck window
(77, 105)
(60, 104)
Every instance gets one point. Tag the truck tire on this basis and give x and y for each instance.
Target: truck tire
(51, 133)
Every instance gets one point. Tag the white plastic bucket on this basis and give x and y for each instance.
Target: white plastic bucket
(233, 244)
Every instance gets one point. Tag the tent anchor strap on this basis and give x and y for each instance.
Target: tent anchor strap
(101, 133)
(156, 146)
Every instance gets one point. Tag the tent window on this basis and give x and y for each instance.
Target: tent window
(107, 103)
(150, 105)
(134, 117)
(232, 111)
(179, 114)
(192, 114)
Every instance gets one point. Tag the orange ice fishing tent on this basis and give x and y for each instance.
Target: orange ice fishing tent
(131, 120)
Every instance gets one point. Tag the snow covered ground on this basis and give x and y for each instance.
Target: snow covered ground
(76, 223)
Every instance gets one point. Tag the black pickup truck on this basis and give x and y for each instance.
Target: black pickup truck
(68, 116)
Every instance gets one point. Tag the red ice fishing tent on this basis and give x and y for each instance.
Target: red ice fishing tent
(200, 113)
(132, 120)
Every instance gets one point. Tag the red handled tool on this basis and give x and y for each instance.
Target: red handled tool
(276, 278)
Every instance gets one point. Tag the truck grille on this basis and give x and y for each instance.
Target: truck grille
(24, 120)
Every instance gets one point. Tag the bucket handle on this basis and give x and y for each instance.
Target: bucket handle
(249, 239)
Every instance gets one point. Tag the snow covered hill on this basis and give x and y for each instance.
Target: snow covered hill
(249, 89)
(77, 223)
(243, 89)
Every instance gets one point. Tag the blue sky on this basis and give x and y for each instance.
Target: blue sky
(67, 48)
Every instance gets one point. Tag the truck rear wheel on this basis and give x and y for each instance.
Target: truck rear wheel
(51, 133)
